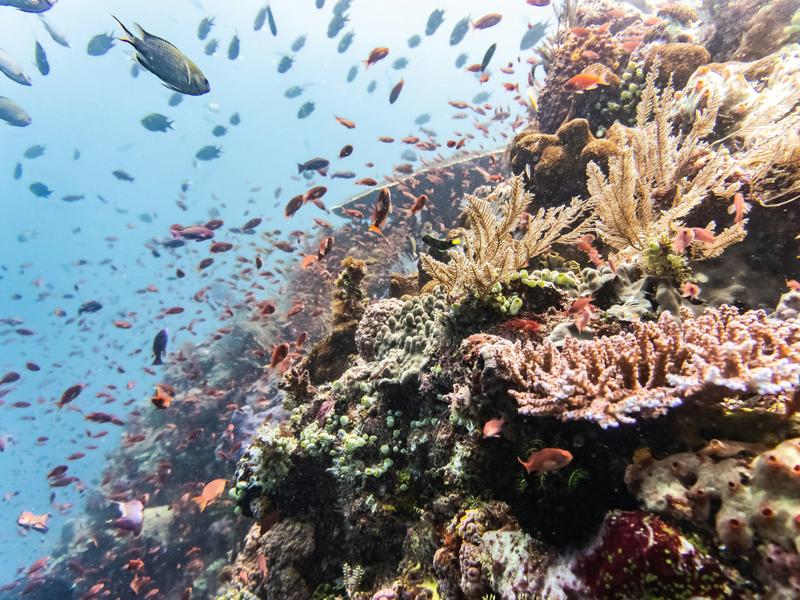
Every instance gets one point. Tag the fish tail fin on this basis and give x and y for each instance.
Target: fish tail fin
(375, 229)
(157, 361)
(201, 502)
(300, 168)
(128, 37)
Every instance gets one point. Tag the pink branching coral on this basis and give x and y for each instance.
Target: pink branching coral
(659, 365)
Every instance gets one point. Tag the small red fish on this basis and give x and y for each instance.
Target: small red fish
(493, 428)
(28, 520)
(584, 82)
(70, 394)
(293, 206)
(690, 290)
(345, 122)
(546, 460)
(367, 181)
(218, 247)
(377, 54)
(163, 396)
(487, 21)
(280, 352)
(211, 491)
(418, 205)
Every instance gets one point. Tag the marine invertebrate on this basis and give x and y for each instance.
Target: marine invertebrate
(656, 182)
(676, 62)
(489, 252)
(616, 379)
(749, 496)
(637, 555)
(550, 162)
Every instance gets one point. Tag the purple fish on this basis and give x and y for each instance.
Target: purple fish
(131, 516)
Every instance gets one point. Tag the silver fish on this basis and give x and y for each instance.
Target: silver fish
(30, 6)
(57, 36)
(13, 114)
(13, 69)
(166, 62)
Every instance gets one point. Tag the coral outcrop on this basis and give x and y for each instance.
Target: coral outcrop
(619, 379)
(549, 162)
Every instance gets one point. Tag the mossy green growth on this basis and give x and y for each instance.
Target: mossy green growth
(660, 260)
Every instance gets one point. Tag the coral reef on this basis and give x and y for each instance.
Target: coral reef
(750, 498)
(676, 62)
(489, 253)
(549, 162)
(617, 379)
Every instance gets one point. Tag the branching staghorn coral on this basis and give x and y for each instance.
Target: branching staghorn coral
(489, 252)
(660, 177)
(659, 365)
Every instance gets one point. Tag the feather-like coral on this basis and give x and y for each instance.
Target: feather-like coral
(660, 176)
(490, 252)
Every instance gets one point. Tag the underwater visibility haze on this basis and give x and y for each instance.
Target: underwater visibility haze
(371, 300)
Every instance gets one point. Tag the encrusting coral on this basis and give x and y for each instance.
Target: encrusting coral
(489, 252)
(747, 493)
(618, 379)
(549, 162)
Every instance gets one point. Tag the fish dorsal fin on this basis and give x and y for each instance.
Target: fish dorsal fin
(140, 32)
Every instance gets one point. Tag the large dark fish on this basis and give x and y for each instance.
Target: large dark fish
(100, 44)
(30, 6)
(271, 20)
(167, 63)
(41, 59)
(40, 190)
(459, 31)
(160, 346)
(205, 27)
(488, 56)
(434, 21)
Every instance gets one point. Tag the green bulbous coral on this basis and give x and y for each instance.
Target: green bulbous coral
(658, 259)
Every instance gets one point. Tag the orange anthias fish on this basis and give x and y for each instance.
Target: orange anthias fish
(377, 54)
(163, 396)
(584, 82)
(546, 460)
(419, 204)
(28, 520)
(383, 206)
(493, 428)
(211, 491)
(345, 122)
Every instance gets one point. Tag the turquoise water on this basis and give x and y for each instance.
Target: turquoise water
(58, 255)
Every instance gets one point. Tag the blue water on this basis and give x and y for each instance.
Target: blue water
(56, 255)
